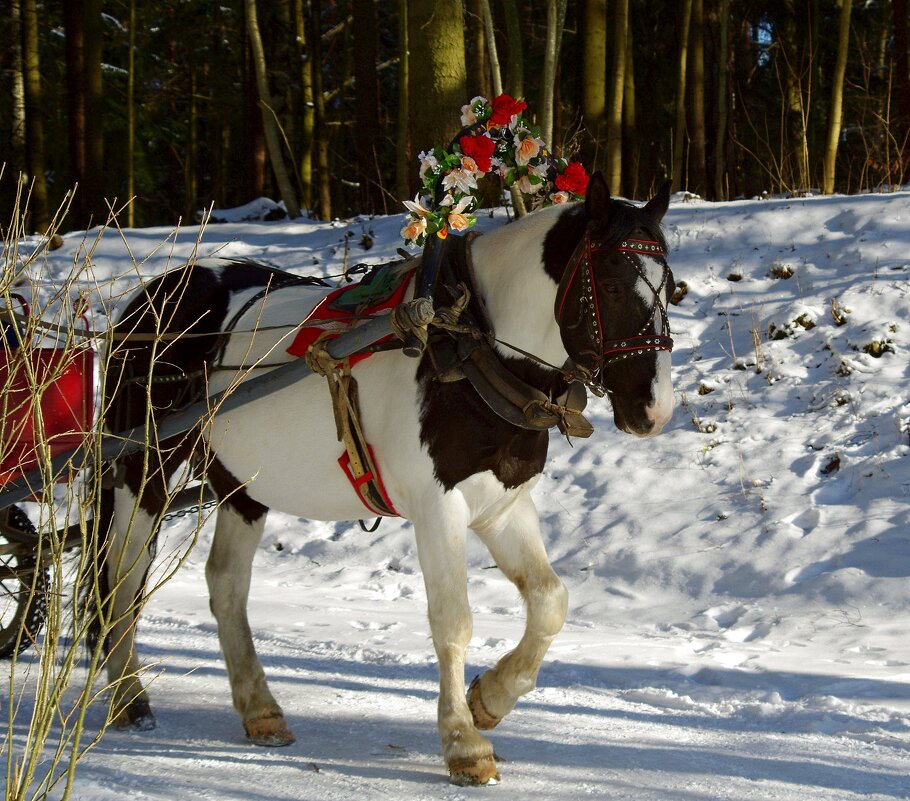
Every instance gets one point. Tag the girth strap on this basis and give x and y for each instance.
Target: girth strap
(358, 462)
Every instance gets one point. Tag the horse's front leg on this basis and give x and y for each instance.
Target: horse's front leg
(228, 572)
(440, 547)
(514, 541)
(132, 538)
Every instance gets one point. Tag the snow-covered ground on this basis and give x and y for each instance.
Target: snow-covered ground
(739, 622)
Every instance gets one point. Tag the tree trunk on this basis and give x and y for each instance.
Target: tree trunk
(366, 46)
(556, 10)
(75, 105)
(131, 120)
(34, 123)
(680, 136)
(795, 46)
(594, 73)
(269, 123)
(17, 132)
(518, 203)
(438, 80)
(323, 176)
(837, 96)
(93, 203)
(252, 148)
(901, 79)
(480, 69)
(486, 14)
(720, 137)
(516, 49)
(631, 145)
(614, 115)
(403, 160)
(698, 171)
(190, 187)
(307, 116)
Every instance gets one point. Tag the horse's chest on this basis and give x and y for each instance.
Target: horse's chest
(464, 437)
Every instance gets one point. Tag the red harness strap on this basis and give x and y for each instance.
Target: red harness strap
(358, 462)
(362, 486)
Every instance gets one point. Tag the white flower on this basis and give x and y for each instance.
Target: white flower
(540, 170)
(427, 162)
(462, 204)
(468, 115)
(460, 180)
(419, 205)
(524, 185)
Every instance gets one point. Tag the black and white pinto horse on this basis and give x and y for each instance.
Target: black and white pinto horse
(448, 462)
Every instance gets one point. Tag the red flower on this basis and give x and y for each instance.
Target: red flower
(573, 179)
(504, 107)
(479, 148)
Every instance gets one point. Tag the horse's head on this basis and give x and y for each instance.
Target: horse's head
(611, 305)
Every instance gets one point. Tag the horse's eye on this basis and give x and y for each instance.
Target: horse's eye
(610, 287)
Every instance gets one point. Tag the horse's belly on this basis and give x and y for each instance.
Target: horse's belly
(284, 448)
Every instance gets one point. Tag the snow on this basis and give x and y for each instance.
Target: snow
(739, 612)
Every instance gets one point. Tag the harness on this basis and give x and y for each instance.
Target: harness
(579, 282)
(466, 351)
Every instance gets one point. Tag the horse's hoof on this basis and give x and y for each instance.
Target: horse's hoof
(482, 718)
(135, 715)
(269, 730)
(473, 773)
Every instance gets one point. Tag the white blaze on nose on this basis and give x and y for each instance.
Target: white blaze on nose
(660, 410)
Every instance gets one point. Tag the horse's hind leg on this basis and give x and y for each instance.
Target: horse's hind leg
(440, 547)
(515, 543)
(238, 530)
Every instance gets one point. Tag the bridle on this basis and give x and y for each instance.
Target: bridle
(605, 352)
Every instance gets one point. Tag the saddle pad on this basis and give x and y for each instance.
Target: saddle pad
(380, 291)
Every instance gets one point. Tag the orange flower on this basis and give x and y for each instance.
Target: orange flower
(414, 229)
(526, 149)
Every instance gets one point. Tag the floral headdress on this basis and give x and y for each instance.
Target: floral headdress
(496, 139)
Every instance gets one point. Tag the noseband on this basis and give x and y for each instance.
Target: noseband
(581, 269)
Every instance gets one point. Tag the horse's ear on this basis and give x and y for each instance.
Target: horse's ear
(597, 197)
(657, 205)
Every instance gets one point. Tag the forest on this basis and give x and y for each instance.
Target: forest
(156, 111)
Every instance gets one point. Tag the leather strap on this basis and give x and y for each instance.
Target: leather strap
(516, 401)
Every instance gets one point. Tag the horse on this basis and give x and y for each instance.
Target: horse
(574, 295)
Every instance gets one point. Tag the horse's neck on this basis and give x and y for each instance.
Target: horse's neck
(519, 295)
